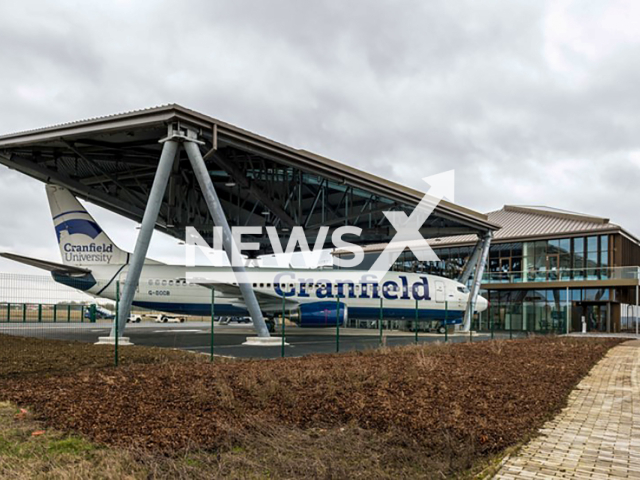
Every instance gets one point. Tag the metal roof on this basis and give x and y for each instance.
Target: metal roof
(111, 161)
(520, 223)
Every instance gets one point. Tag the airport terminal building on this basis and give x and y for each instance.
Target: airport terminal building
(547, 270)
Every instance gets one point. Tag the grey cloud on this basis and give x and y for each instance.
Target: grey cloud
(504, 92)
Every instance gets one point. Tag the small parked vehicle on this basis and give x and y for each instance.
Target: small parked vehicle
(163, 318)
(101, 313)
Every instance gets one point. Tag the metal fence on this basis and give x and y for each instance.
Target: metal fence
(41, 311)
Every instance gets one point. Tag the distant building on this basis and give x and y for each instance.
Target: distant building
(545, 266)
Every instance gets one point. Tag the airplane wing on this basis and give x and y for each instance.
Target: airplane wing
(268, 302)
(46, 265)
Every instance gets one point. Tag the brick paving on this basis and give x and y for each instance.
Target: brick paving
(598, 435)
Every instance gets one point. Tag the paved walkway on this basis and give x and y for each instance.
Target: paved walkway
(598, 435)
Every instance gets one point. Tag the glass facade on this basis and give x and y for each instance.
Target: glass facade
(537, 309)
(546, 310)
(578, 258)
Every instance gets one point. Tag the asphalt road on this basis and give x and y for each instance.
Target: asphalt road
(228, 339)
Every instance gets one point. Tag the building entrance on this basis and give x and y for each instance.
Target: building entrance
(596, 316)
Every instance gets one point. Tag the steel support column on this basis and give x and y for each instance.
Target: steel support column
(471, 262)
(169, 149)
(217, 213)
(477, 281)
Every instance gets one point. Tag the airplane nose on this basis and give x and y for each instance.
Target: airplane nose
(481, 304)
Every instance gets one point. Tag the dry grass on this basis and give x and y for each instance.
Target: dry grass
(27, 356)
(54, 455)
(276, 452)
(410, 412)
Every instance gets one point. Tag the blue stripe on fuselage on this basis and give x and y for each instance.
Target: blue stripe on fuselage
(355, 313)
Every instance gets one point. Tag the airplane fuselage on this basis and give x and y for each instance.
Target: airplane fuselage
(399, 295)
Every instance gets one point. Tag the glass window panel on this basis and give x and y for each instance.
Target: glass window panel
(541, 260)
(578, 245)
(516, 269)
(592, 265)
(552, 265)
(516, 264)
(529, 250)
(592, 244)
(516, 249)
(564, 245)
(604, 242)
(565, 266)
(494, 265)
(596, 294)
(604, 258)
(494, 251)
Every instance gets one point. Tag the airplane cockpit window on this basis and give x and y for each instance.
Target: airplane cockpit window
(463, 289)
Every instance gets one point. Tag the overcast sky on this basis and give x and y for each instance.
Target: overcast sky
(531, 102)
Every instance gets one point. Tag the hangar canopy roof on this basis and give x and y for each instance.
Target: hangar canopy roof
(111, 161)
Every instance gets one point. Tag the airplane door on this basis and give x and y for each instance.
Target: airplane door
(440, 292)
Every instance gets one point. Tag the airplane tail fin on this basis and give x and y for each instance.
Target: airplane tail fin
(82, 242)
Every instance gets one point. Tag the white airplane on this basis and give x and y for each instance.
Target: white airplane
(91, 262)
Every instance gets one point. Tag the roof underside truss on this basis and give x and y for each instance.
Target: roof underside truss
(259, 183)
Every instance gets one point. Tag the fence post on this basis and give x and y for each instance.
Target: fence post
(337, 324)
(213, 310)
(115, 350)
(8, 312)
(282, 327)
(491, 320)
(415, 323)
(92, 313)
(81, 313)
(55, 312)
(39, 312)
(511, 327)
(380, 321)
(68, 313)
(446, 318)
(24, 312)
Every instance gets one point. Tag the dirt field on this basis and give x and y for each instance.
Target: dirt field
(413, 411)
